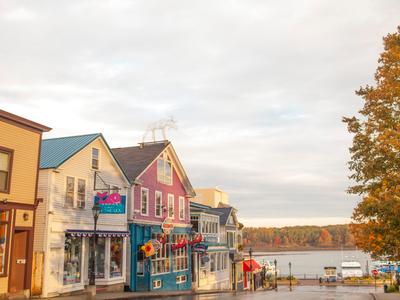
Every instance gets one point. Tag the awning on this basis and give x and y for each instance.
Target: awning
(254, 265)
(100, 233)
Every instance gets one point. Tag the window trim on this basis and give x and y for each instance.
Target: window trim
(214, 254)
(180, 280)
(161, 178)
(74, 193)
(141, 202)
(98, 159)
(155, 204)
(10, 152)
(177, 254)
(8, 239)
(227, 239)
(173, 205)
(182, 208)
(77, 193)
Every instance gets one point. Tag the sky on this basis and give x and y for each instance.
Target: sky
(258, 88)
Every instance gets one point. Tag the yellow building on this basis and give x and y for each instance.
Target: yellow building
(20, 141)
(230, 229)
(213, 197)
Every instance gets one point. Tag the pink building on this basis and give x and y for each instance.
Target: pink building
(158, 210)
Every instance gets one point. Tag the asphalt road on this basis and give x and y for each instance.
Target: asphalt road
(298, 293)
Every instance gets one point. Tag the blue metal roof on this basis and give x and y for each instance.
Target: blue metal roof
(56, 151)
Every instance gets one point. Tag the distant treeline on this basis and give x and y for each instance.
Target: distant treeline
(298, 237)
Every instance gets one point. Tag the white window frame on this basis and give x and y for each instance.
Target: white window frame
(182, 208)
(77, 193)
(181, 254)
(215, 262)
(233, 233)
(98, 159)
(73, 194)
(161, 256)
(181, 279)
(141, 201)
(155, 204)
(161, 177)
(171, 196)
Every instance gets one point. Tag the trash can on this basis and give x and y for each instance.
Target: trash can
(385, 288)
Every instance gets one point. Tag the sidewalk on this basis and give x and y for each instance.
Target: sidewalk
(388, 296)
(134, 295)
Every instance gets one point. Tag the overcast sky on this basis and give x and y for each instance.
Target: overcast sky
(258, 88)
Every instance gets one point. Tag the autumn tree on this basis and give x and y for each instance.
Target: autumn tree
(375, 157)
(325, 238)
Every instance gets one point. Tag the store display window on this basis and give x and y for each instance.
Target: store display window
(100, 256)
(72, 259)
(116, 253)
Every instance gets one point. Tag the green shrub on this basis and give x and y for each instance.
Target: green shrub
(391, 289)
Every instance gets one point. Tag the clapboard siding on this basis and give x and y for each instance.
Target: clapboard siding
(79, 167)
(150, 182)
(41, 211)
(25, 144)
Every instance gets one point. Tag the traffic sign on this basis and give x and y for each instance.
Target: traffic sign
(375, 272)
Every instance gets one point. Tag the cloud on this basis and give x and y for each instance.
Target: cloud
(258, 88)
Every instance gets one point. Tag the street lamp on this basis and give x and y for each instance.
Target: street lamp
(251, 269)
(276, 275)
(92, 280)
(290, 276)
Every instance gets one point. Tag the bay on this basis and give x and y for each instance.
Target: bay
(311, 263)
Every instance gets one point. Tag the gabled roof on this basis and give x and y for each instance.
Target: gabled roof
(134, 160)
(56, 151)
(225, 213)
(197, 207)
(22, 121)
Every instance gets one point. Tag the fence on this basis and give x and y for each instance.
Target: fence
(305, 276)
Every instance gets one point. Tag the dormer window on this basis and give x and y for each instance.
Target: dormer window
(164, 170)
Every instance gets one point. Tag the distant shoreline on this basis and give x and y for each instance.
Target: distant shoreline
(257, 251)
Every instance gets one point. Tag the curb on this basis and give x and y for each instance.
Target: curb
(149, 296)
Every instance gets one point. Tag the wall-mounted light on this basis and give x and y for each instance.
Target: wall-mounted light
(25, 216)
(4, 201)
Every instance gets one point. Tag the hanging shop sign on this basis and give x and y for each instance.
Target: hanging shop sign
(163, 239)
(198, 238)
(201, 248)
(167, 226)
(156, 244)
(110, 203)
(180, 244)
(148, 249)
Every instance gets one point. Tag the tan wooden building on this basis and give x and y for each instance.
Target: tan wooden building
(20, 141)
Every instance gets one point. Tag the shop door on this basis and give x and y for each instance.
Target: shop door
(18, 261)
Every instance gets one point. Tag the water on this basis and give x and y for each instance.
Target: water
(312, 263)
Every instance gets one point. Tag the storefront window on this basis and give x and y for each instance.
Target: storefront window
(100, 256)
(181, 254)
(212, 262)
(160, 260)
(72, 259)
(3, 240)
(116, 249)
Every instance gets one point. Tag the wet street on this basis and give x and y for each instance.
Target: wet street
(298, 293)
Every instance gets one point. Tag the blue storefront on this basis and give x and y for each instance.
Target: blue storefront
(167, 269)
